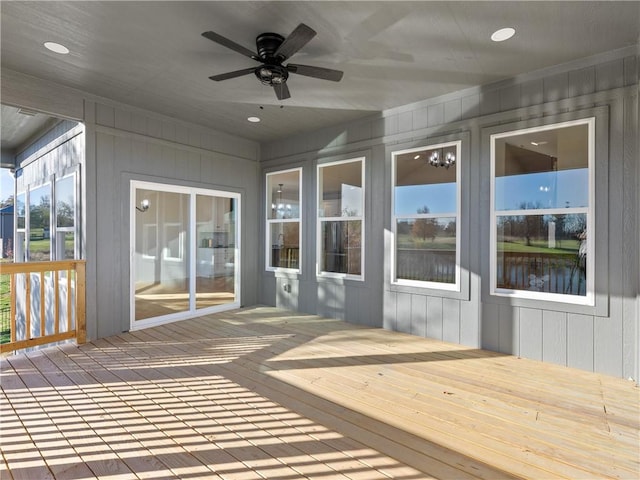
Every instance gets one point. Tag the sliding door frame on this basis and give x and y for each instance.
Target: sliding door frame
(191, 250)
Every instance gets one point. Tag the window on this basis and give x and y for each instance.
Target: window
(341, 219)
(426, 209)
(47, 221)
(40, 224)
(65, 195)
(184, 252)
(20, 248)
(283, 220)
(542, 221)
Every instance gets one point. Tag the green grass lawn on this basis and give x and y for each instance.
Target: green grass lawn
(540, 246)
(5, 306)
(439, 243)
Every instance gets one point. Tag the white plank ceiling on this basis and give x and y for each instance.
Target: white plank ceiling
(152, 55)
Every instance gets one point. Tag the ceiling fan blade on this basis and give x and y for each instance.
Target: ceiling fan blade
(225, 42)
(234, 74)
(294, 42)
(316, 72)
(282, 91)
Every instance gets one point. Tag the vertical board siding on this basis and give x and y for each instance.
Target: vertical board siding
(556, 87)
(389, 318)
(451, 320)
(610, 75)
(607, 350)
(582, 82)
(109, 299)
(490, 327)
(531, 333)
(531, 93)
(509, 328)
(403, 312)
(419, 315)
(631, 239)
(470, 324)
(510, 97)
(602, 344)
(452, 111)
(580, 341)
(554, 337)
(434, 317)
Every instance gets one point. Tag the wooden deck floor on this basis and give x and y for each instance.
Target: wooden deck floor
(267, 394)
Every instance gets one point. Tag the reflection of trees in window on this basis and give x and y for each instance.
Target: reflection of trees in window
(20, 210)
(40, 214)
(424, 228)
(540, 189)
(65, 214)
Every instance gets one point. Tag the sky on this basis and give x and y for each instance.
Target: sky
(6, 183)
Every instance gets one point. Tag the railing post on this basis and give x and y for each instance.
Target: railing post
(12, 319)
(81, 324)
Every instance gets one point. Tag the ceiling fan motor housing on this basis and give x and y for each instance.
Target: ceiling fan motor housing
(267, 44)
(271, 72)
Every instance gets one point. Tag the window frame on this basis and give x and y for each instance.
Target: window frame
(589, 299)
(75, 228)
(54, 230)
(361, 218)
(188, 250)
(21, 247)
(50, 182)
(456, 286)
(271, 221)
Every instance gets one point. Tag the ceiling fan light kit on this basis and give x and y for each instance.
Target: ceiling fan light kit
(273, 50)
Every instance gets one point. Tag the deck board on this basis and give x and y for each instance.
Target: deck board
(270, 394)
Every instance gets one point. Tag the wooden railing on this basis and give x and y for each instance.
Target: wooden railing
(47, 303)
(426, 265)
(545, 272)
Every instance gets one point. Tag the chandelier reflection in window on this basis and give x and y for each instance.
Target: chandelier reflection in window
(440, 158)
(281, 210)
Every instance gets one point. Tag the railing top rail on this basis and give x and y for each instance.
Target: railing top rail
(28, 267)
(549, 255)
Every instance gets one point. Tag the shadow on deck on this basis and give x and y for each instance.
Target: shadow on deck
(266, 393)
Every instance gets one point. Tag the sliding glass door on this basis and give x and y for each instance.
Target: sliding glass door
(184, 257)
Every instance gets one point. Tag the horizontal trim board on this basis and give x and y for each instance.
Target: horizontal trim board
(165, 143)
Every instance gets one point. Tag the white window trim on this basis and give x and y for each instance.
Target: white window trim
(589, 298)
(23, 248)
(320, 219)
(270, 221)
(458, 214)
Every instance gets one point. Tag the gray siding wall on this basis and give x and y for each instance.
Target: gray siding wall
(601, 339)
(58, 152)
(130, 145)
(121, 144)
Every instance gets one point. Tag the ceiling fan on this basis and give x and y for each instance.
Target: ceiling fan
(273, 50)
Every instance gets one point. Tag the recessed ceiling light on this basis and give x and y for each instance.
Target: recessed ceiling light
(503, 34)
(253, 119)
(56, 48)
